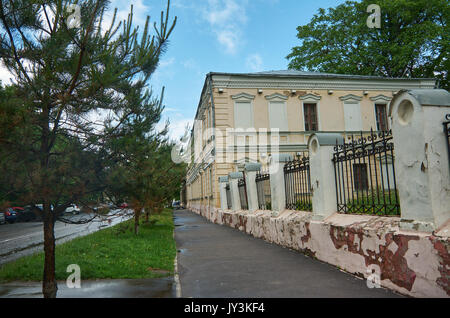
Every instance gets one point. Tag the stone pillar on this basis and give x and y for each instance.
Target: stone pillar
(421, 157)
(323, 183)
(277, 186)
(234, 189)
(250, 183)
(223, 192)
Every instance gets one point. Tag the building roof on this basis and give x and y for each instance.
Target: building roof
(306, 74)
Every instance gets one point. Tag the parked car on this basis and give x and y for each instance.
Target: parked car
(10, 215)
(73, 209)
(2, 218)
(24, 214)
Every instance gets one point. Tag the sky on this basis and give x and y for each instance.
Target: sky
(236, 36)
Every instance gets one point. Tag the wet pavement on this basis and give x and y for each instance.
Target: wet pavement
(218, 261)
(21, 239)
(116, 288)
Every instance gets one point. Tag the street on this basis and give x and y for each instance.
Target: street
(20, 239)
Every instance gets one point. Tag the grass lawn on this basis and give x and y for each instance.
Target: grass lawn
(110, 253)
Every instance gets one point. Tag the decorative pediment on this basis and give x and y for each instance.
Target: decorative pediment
(351, 98)
(381, 98)
(243, 96)
(276, 97)
(310, 98)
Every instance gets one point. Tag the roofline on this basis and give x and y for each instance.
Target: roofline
(320, 75)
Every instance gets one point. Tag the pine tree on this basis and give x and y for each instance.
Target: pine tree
(77, 83)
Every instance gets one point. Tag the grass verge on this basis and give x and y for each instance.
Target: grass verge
(112, 253)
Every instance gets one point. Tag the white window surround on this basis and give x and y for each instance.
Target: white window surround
(352, 112)
(311, 99)
(382, 100)
(244, 100)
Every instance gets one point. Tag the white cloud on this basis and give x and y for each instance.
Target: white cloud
(254, 62)
(177, 126)
(140, 13)
(5, 75)
(226, 19)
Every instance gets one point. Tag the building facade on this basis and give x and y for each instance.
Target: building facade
(248, 117)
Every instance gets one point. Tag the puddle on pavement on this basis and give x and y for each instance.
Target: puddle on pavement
(119, 288)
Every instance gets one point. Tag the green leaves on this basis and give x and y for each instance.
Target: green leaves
(413, 40)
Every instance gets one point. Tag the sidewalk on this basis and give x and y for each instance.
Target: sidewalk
(218, 261)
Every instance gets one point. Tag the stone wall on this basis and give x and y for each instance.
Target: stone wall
(412, 263)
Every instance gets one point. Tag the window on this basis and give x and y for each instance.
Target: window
(360, 176)
(310, 113)
(381, 116)
(243, 114)
(278, 116)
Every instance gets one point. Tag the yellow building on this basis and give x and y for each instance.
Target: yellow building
(246, 117)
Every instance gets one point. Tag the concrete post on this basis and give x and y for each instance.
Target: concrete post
(277, 186)
(323, 183)
(421, 157)
(234, 189)
(223, 192)
(250, 183)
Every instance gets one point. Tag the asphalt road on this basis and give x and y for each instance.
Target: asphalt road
(20, 239)
(218, 261)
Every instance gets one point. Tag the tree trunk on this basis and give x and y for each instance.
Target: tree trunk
(137, 214)
(49, 286)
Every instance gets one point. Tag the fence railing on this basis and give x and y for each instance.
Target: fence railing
(228, 191)
(263, 190)
(365, 175)
(243, 194)
(297, 182)
(446, 124)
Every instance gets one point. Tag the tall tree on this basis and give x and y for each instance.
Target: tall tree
(413, 40)
(76, 83)
(142, 171)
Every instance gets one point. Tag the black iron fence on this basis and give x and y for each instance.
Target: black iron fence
(263, 189)
(298, 184)
(447, 133)
(228, 191)
(365, 175)
(243, 193)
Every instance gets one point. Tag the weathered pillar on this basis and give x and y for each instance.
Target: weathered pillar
(323, 183)
(277, 186)
(223, 192)
(250, 183)
(233, 178)
(421, 157)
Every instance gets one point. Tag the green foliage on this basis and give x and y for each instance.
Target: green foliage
(108, 254)
(302, 205)
(375, 203)
(413, 40)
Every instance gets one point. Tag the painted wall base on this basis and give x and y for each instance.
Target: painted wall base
(409, 262)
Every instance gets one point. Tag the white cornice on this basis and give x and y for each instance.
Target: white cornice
(310, 97)
(320, 83)
(276, 97)
(351, 97)
(243, 96)
(381, 97)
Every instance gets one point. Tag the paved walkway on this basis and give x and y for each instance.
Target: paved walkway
(218, 261)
